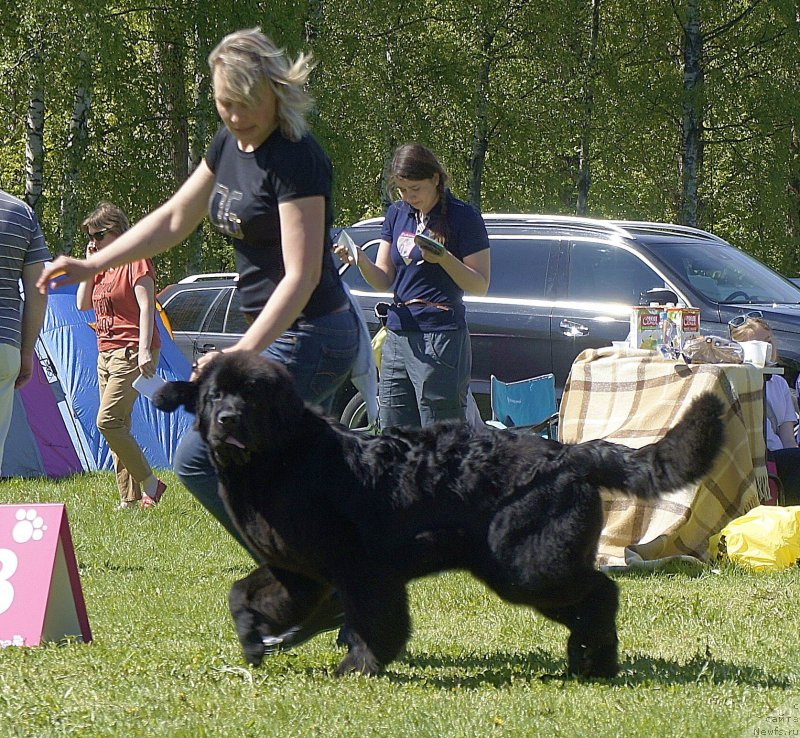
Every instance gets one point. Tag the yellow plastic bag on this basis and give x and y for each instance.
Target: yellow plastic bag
(377, 344)
(766, 539)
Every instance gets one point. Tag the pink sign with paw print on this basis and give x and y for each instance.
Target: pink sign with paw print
(40, 589)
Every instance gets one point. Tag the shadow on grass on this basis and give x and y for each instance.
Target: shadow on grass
(668, 570)
(501, 669)
(641, 669)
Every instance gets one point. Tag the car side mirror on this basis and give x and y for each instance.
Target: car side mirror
(660, 295)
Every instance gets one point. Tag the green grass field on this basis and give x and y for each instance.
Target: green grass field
(709, 654)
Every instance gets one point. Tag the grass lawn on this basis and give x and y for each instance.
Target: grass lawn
(714, 653)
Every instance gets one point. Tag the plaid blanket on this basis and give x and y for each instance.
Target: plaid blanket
(633, 396)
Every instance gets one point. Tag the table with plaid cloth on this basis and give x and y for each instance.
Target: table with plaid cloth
(633, 397)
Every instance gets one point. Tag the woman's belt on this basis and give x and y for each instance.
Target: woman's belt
(426, 303)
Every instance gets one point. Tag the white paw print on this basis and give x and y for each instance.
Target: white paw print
(29, 527)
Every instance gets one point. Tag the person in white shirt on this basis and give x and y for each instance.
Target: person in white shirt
(782, 445)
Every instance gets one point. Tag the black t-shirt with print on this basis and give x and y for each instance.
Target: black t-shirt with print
(244, 206)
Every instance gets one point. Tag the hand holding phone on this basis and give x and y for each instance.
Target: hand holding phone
(424, 242)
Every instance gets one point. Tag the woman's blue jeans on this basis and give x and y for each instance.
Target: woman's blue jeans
(319, 354)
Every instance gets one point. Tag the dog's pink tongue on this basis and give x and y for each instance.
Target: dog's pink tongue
(234, 441)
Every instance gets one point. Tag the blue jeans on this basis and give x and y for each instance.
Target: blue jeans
(424, 377)
(319, 354)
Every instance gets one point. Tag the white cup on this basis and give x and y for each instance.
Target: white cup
(756, 352)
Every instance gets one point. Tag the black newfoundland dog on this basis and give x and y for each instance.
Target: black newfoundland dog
(326, 509)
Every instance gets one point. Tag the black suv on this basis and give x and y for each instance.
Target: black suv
(560, 285)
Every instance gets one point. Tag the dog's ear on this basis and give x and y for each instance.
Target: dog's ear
(174, 394)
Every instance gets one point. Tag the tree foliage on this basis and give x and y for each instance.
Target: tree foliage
(560, 106)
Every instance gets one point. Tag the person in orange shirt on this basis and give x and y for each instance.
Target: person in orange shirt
(128, 341)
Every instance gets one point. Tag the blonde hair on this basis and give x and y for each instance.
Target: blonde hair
(248, 60)
(106, 216)
(752, 326)
(749, 328)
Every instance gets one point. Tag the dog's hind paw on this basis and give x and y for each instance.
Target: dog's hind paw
(346, 637)
(359, 662)
(592, 662)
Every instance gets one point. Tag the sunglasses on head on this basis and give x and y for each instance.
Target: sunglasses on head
(98, 236)
(742, 319)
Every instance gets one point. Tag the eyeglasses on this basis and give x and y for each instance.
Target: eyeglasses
(742, 319)
(98, 236)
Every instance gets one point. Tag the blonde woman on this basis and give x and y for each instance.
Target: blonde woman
(265, 183)
(781, 414)
(128, 345)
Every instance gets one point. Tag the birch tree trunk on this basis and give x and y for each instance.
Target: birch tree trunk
(793, 185)
(34, 136)
(794, 182)
(693, 112)
(585, 161)
(202, 89)
(315, 20)
(173, 106)
(390, 137)
(77, 144)
(480, 136)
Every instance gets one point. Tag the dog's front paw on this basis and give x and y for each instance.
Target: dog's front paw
(254, 656)
(592, 661)
(253, 648)
(359, 661)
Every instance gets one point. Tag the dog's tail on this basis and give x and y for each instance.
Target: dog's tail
(683, 456)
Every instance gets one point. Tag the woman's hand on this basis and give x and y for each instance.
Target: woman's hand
(346, 255)
(67, 271)
(147, 367)
(25, 369)
(433, 258)
(346, 249)
(202, 360)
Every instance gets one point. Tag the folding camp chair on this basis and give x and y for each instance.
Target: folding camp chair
(529, 404)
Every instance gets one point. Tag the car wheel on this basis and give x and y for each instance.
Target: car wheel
(354, 414)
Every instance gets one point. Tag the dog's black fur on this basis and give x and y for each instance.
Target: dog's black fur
(329, 509)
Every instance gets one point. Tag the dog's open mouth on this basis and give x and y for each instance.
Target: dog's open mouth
(234, 441)
(229, 450)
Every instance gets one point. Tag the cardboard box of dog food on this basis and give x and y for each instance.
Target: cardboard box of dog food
(686, 322)
(663, 325)
(646, 326)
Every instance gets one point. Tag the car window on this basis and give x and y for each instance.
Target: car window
(519, 267)
(215, 321)
(235, 322)
(226, 314)
(723, 273)
(599, 272)
(187, 309)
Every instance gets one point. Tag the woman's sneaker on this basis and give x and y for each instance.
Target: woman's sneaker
(148, 501)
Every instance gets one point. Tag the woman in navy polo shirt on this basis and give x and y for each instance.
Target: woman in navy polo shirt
(427, 358)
